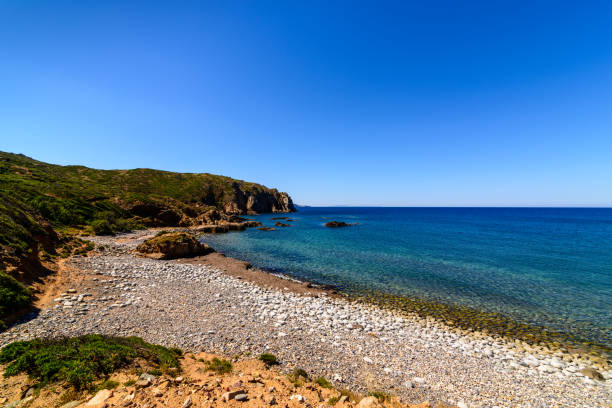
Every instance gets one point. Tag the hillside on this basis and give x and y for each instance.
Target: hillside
(42, 204)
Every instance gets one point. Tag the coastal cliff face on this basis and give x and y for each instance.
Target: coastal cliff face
(257, 202)
(42, 204)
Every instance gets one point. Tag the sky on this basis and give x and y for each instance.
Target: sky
(441, 103)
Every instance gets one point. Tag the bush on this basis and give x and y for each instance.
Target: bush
(380, 396)
(269, 359)
(321, 381)
(14, 297)
(81, 360)
(220, 366)
(102, 227)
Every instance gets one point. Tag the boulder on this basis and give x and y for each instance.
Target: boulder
(280, 224)
(368, 402)
(592, 373)
(171, 245)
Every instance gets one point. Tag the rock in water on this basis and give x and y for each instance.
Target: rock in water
(337, 224)
(171, 245)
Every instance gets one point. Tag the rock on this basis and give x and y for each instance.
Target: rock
(187, 403)
(343, 399)
(157, 392)
(266, 229)
(241, 397)
(280, 224)
(368, 360)
(230, 395)
(71, 404)
(592, 373)
(171, 245)
(409, 384)
(368, 402)
(272, 401)
(461, 404)
(419, 380)
(297, 397)
(337, 224)
(99, 400)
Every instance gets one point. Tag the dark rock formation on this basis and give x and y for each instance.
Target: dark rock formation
(280, 224)
(337, 224)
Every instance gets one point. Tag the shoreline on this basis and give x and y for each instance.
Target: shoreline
(203, 307)
(463, 320)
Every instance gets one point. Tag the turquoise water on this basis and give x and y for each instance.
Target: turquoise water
(542, 266)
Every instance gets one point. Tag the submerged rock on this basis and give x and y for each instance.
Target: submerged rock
(337, 224)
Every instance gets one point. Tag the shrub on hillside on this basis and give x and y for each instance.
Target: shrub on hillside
(14, 297)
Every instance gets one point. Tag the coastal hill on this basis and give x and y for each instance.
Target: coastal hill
(43, 205)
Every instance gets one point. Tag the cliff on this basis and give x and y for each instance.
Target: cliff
(42, 205)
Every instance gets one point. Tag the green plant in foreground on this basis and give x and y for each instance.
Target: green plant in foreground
(379, 395)
(106, 385)
(13, 297)
(333, 401)
(82, 360)
(220, 366)
(298, 376)
(322, 381)
(268, 359)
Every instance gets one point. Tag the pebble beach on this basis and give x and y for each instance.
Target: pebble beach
(354, 345)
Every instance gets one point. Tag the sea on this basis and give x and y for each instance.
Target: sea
(549, 268)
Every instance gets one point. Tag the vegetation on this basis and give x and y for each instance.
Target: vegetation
(269, 359)
(333, 401)
(298, 377)
(322, 382)
(81, 361)
(220, 366)
(13, 297)
(38, 200)
(380, 395)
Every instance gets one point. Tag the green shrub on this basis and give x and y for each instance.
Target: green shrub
(298, 376)
(102, 227)
(379, 395)
(81, 360)
(321, 381)
(106, 385)
(333, 401)
(14, 297)
(269, 359)
(220, 366)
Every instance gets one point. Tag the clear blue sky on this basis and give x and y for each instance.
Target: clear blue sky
(355, 103)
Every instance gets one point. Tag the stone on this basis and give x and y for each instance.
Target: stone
(241, 397)
(461, 404)
(368, 360)
(99, 400)
(592, 373)
(297, 397)
(187, 403)
(368, 402)
(230, 395)
(272, 401)
(71, 404)
(172, 245)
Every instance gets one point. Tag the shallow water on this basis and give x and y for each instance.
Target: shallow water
(541, 266)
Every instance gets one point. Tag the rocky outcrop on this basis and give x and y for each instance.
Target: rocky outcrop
(257, 201)
(171, 245)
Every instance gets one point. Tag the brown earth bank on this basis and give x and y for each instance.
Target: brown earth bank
(249, 383)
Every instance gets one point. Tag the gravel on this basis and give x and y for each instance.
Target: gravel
(356, 346)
